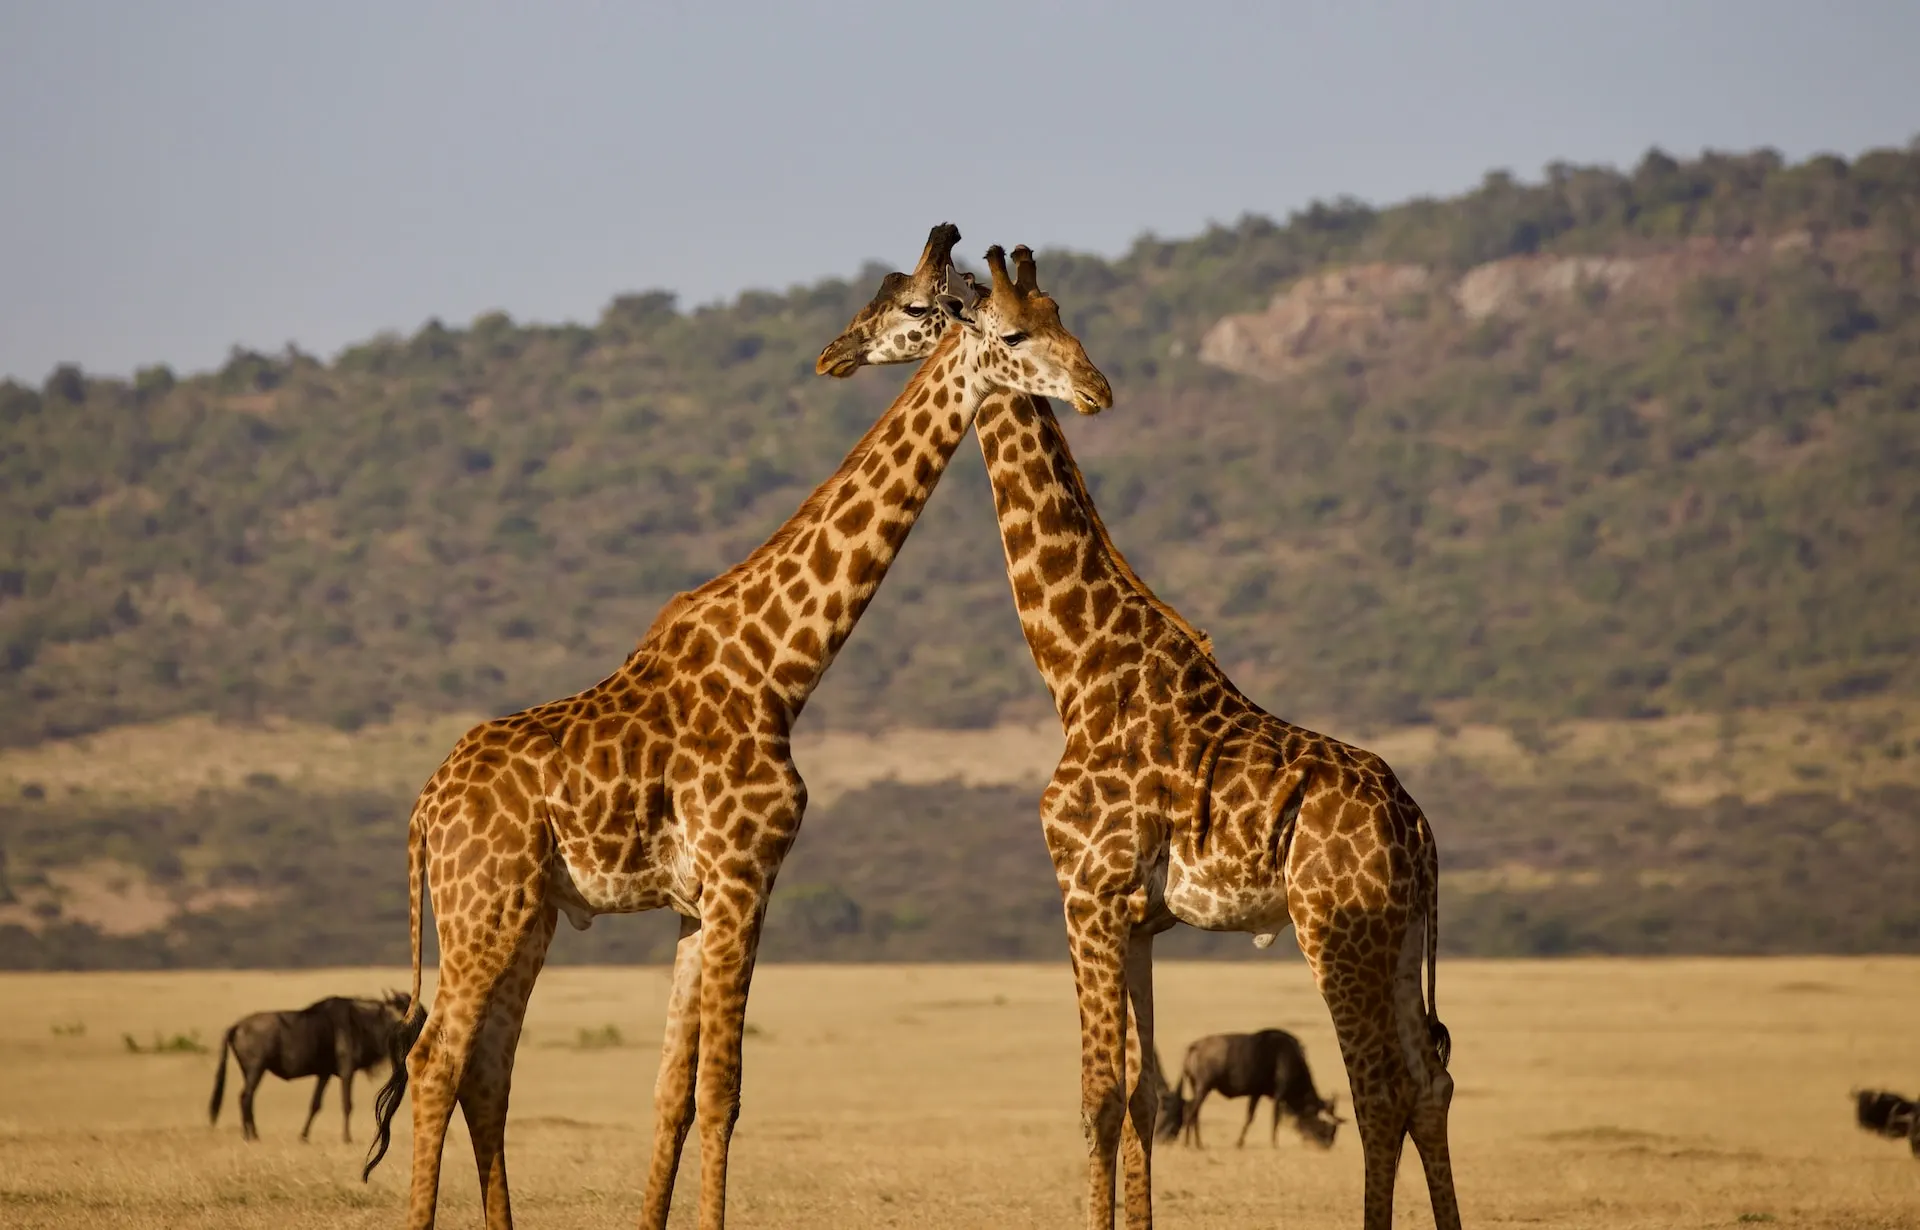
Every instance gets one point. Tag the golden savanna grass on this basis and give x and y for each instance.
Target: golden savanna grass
(1591, 1094)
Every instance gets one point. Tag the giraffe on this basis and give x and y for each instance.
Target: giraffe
(1177, 799)
(669, 784)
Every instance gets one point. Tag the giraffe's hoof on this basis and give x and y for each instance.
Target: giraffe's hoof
(1264, 938)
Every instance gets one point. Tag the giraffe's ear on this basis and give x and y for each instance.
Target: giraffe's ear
(957, 296)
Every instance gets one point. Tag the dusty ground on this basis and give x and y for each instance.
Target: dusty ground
(1615, 1094)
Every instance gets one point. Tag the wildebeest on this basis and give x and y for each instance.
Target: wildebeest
(332, 1037)
(1268, 1064)
(1888, 1115)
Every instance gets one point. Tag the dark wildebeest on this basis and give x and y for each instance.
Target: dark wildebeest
(333, 1037)
(1268, 1064)
(1889, 1115)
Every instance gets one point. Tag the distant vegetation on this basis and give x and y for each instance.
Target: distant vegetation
(1602, 506)
(949, 873)
(1699, 505)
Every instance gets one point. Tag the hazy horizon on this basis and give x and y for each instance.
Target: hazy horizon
(218, 174)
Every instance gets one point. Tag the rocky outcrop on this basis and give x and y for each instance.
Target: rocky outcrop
(1502, 287)
(1356, 308)
(1366, 307)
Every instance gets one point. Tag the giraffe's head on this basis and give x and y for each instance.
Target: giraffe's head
(903, 321)
(1016, 338)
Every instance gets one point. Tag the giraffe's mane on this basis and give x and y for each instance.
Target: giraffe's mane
(1076, 483)
(809, 513)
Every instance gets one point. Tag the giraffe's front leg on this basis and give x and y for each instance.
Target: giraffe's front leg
(1097, 933)
(487, 1085)
(1144, 1082)
(729, 941)
(673, 1088)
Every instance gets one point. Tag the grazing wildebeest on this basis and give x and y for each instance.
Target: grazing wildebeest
(1268, 1064)
(1166, 1123)
(1888, 1115)
(331, 1037)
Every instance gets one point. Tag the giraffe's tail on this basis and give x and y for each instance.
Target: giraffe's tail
(1442, 1040)
(406, 1031)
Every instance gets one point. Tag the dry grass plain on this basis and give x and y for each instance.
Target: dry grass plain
(1591, 1094)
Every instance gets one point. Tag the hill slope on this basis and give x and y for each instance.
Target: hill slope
(1600, 448)
(1603, 503)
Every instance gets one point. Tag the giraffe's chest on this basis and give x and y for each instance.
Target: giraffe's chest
(619, 854)
(1227, 863)
(590, 885)
(1219, 893)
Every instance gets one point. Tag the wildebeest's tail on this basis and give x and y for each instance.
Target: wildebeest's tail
(1437, 1032)
(220, 1076)
(407, 1031)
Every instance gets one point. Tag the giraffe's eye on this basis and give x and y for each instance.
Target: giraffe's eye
(1013, 339)
(917, 310)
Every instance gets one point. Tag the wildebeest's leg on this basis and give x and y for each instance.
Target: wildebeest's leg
(343, 1067)
(313, 1107)
(1097, 931)
(1273, 1137)
(253, 1071)
(673, 1087)
(1143, 1092)
(1191, 1124)
(488, 1083)
(1253, 1108)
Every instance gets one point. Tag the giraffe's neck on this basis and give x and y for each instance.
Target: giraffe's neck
(777, 619)
(1081, 607)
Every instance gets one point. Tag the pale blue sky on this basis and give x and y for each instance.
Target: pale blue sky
(182, 176)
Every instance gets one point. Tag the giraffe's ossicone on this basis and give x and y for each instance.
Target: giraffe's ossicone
(1177, 799)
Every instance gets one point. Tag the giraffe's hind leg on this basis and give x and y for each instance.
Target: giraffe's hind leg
(1433, 1087)
(1353, 955)
(483, 933)
(487, 1083)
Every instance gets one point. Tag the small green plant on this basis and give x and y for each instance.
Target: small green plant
(69, 1029)
(178, 1044)
(607, 1037)
(1754, 1217)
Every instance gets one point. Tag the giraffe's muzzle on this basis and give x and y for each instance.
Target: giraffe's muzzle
(840, 359)
(1091, 396)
